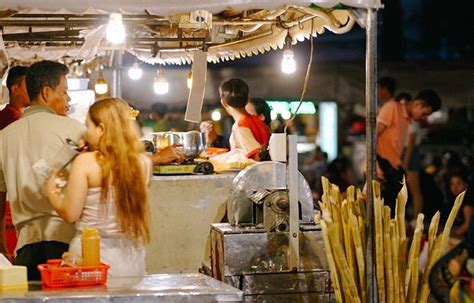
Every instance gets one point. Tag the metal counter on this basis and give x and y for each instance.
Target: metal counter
(182, 209)
(162, 288)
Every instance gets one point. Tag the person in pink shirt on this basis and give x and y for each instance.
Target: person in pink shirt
(393, 121)
(18, 94)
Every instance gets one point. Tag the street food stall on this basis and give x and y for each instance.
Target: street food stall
(184, 207)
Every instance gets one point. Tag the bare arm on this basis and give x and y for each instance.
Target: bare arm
(467, 213)
(380, 128)
(167, 155)
(3, 203)
(409, 150)
(69, 205)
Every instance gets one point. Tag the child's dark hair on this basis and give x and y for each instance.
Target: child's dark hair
(15, 75)
(160, 108)
(462, 174)
(403, 96)
(262, 108)
(429, 98)
(235, 92)
(388, 83)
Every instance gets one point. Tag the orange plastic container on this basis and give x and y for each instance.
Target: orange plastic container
(53, 275)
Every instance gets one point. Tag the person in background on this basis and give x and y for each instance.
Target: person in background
(40, 133)
(19, 100)
(260, 108)
(457, 184)
(18, 94)
(341, 173)
(255, 106)
(249, 133)
(393, 121)
(411, 160)
(213, 139)
(159, 111)
(315, 166)
(386, 87)
(107, 189)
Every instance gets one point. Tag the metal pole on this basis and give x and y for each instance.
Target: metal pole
(371, 143)
(117, 74)
(292, 181)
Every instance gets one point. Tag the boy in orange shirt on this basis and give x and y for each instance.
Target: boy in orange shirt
(393, 121)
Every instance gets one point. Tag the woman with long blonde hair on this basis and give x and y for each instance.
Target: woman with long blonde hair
(107, 189)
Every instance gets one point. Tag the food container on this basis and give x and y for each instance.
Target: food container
(162, 140)
(192, 143)
(54, 275)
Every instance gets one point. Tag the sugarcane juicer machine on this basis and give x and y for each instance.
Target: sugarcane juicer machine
(271, 248)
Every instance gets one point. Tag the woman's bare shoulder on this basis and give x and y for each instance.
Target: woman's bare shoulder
(86, 160)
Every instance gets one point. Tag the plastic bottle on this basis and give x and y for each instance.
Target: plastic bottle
(90, 247)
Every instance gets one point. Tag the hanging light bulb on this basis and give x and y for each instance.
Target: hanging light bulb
(160, 86)
(288, 63)
(216, 115)
(115, 29)
(101, 86)
(135, 72)
(189, 81)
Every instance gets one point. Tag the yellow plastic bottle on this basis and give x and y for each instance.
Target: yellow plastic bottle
(90, 247)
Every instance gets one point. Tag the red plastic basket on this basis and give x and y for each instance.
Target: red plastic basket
(53, 275)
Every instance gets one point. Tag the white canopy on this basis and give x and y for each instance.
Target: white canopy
(164, 31)
(166, 7)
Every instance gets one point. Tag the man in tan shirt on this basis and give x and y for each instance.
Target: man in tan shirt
(39, 134)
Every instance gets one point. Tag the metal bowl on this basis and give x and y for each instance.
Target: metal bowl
(194, 143)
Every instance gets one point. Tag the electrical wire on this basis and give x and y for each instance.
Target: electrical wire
(306, 78)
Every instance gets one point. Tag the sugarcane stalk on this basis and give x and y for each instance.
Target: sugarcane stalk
(348, 241)
(439, 246)
(379, 249)
(433, 230)
(359, 249)
(331, 262)
(433, 256)
(414, 270)
(348, 283)
(388, 255)
(363, 236)
(450, 221)
(400, 207)
(398, 294)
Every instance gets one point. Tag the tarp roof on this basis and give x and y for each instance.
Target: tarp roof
(164, 31)
(164, 7)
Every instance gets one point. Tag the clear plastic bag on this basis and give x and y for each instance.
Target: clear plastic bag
(56, 162)
(233, 160)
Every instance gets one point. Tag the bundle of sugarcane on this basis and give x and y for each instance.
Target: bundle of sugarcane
(344, 233)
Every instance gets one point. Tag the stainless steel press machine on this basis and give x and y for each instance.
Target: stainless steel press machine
(271, 248)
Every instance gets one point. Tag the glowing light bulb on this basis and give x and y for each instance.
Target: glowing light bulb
(161, 85)
(216, 115)
(73, 84)
(288, 63)
(115, 29)
(189, 81)
(101, 86)
(273, 115)
(286, 115)
(135, 72)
